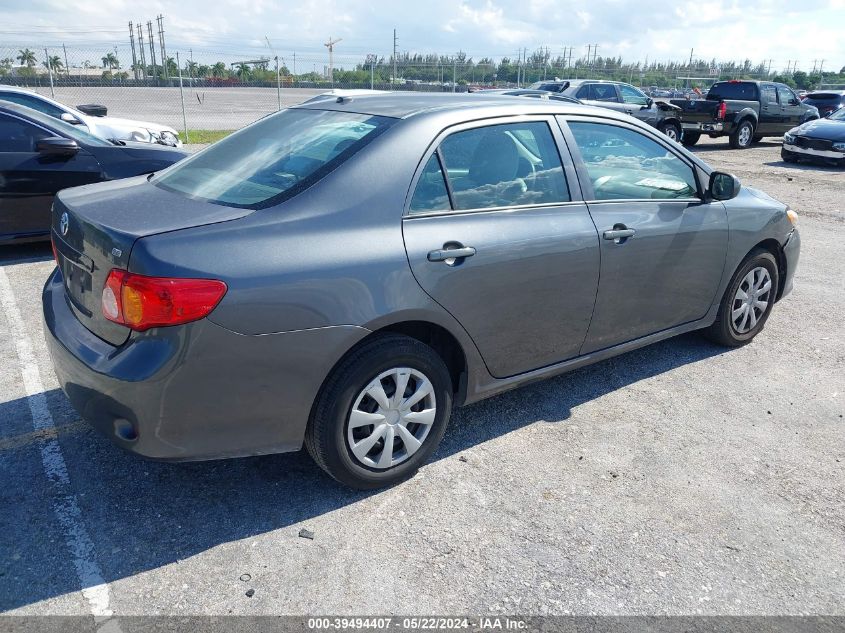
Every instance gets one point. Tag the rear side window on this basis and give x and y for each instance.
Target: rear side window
(598, 92)
(770, 94)
(627, 165)
(431, 193)
(273, 159)
(740, 90)
(507, 165)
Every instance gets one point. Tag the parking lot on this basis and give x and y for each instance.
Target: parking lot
(682, 478)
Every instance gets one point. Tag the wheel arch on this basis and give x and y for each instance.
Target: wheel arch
(773, 246)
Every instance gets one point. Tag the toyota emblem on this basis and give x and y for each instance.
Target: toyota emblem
(63, 224)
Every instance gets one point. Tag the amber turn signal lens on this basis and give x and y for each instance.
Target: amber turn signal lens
(792, 216)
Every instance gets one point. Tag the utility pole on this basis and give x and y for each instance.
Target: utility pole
(140, 28)
(393, 81)
(132, 44)
(769, 69)
(64, 48)
(152, 45)
(160, 20)
(278, 79)
(820, 68)
(330, 45)
(595, 54)
(455, 73)
(50, 71)
(182, 97)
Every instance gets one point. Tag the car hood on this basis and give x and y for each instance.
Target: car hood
(821, 128)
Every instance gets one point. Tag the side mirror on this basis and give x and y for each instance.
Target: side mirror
(649, 102)
(56, 146)
(67, 117)
(723, 186)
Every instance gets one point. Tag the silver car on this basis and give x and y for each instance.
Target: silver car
(342, 273)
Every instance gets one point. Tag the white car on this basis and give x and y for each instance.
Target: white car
(106, 127)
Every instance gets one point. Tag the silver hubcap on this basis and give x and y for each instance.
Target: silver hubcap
(670, 132)
(391, 418)
(751, 300)
(744, 135)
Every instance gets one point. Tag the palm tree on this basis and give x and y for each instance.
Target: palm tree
(27, 57)
(218, 70)
(191, 67)
(110, 61)
(243, 71)
(54, 63)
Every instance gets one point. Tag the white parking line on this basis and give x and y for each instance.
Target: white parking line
(94, 588)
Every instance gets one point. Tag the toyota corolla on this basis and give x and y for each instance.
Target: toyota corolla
(342, 273)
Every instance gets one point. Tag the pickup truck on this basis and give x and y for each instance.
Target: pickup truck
(744, 111)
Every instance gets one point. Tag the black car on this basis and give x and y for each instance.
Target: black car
(621, 97)
(827, 101)
(822, 139)
(40, 155)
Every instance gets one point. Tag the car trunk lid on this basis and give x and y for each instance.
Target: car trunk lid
(95, 227)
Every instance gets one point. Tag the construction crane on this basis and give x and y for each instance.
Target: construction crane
(330, 45)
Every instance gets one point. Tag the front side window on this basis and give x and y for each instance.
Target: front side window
(274, 158)
(18, 136)
(785, 95)
(624, 164)
(503, 166)
(632, 95)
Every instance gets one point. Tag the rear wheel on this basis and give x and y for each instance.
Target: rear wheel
(671, 129)
(690, 138)
(742, 135)
(381, 413)
(747, 301)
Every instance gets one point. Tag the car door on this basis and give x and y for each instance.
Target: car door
(29, 180)
(791, 109)
(771, 117)
(662, 247)
(497, 233)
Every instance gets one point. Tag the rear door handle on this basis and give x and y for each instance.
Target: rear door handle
(450, 255)
(619, 234)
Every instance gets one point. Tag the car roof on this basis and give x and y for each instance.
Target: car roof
(835, 91)
(26, 91)
(403, 105)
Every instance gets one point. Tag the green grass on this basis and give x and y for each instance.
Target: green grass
(204, 136)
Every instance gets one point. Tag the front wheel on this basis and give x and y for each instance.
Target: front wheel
(690, 138)
(672, 130)
(747, 301)
(381, 413)
(742, 136)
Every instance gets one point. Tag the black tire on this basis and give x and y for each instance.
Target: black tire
(690, 138)
(671, 129)
(742, 136)
(788, 157)
(723, 331)
(326, 435)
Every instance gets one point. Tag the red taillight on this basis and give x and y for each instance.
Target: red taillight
(140, 302)
(55, 252)
(721, 110)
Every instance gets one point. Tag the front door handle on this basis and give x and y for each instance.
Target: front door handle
(451, 253)
(619, 233)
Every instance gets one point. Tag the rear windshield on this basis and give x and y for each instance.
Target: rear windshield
(274, 158)
(824, 96)
(740, 91)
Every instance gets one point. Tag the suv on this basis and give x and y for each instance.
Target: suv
(621, 97)
(827, 101)
(744, 111)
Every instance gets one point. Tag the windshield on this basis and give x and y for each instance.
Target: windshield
(274, 158)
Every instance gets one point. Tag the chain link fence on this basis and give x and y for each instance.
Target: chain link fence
(225, 90)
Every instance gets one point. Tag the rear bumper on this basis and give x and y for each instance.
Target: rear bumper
(192, 392)
(703, 127)
(791, 251)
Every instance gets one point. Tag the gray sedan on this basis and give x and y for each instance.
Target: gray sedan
(342, 273)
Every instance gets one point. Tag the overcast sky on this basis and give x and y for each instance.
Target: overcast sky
(782, 30)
